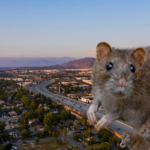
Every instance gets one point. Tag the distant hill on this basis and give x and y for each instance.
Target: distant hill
(80, 63)
(32, 62)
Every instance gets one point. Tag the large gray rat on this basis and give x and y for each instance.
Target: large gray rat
(121, 84)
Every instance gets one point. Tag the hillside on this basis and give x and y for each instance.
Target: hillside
(80, 63)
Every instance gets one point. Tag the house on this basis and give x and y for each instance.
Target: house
(55, 128)
(2, 102)
(86, 99)
(71, 95)
(13, 113)
(33, 120)
(36, 125)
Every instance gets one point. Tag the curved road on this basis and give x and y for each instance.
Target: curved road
(117, 126)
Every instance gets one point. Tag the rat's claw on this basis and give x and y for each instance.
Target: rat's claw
(103, 122)
(91, 115)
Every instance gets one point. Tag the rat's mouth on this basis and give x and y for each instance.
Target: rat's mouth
(118, 94)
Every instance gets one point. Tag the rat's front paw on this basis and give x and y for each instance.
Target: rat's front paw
(103, 122)
(91, 114)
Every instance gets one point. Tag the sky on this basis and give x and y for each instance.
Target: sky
(73, 28)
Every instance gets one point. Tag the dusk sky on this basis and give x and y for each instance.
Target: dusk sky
(73, 28)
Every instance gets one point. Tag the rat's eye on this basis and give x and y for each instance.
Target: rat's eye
(132, 68)
(109, 66)
(144, 130)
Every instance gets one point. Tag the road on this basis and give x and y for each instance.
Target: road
(117, 125)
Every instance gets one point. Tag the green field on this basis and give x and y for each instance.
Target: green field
(44, 145)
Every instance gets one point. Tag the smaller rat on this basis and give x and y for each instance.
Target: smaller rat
(145, 132)
(133, 141)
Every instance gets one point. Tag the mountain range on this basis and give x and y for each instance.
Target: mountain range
(32, 62)
(80, 63)
(47, 63)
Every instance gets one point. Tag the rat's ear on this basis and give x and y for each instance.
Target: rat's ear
(124, 132)
(144, 126)
(139, 55)
(103, 49)
(131, 133)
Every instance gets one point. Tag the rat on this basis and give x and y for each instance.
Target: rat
(121, 85)
(133, 141)
(145, 132)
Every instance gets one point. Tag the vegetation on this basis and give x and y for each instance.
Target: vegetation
(50, 119)
(25, 133)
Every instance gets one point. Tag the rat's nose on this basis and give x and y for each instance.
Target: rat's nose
(122, 82)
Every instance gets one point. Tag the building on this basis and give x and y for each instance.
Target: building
(13, 113)
(33, 120)
(86, 99)
(87, 81)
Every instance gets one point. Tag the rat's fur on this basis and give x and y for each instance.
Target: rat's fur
(134, 141)
(145, 132)
(132, 105)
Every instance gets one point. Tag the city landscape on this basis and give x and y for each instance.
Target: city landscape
(43, 107)
(74, 75)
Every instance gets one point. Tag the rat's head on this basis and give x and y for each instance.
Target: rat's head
(118, 68)
(126, 138)
(145, 131)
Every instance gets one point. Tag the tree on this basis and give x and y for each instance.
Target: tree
(8, 146)
(56, 134)
(87, 134)
(26, 116)
(40, 113)
(91, 141)
(75, 128)
(73, 117)
(104, 132)
(76, 148)
(70, 124)
(21, 126)
(1, 148)
(105, 146)
(75, 137)
(46, 110)
(25, 133)
(2, 126)
(49, 132)
(37, 140)
(50, 119)
(76, 122)
(26, 101)
(91, 148)
(83, 120)
(32, 106)
(19, 94)
(105, 138)
(112, 140)
(64, 115)
(64, 132)
(17, 110)
(89, 131)
(46, 130)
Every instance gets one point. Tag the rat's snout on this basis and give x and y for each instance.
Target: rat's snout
(122, 82)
